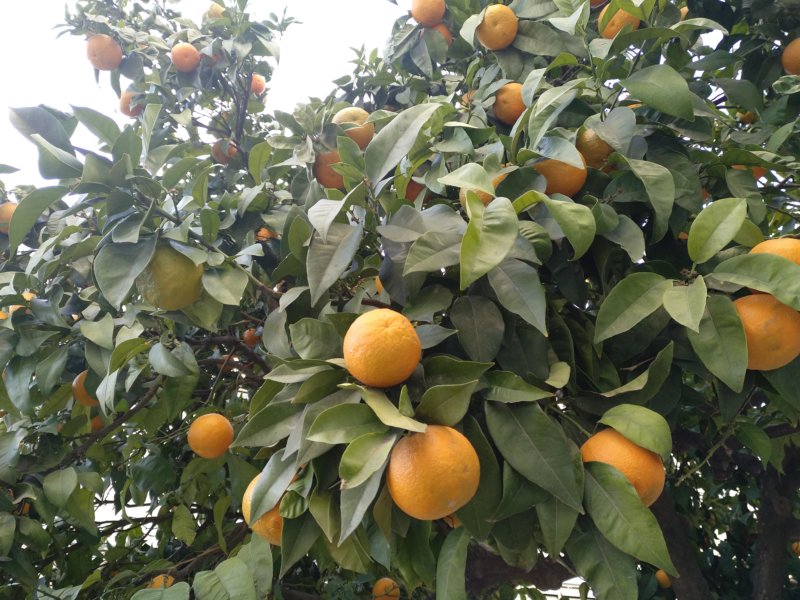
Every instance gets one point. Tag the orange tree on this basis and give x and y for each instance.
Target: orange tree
(493, 346)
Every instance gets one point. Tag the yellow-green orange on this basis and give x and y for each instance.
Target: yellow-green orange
(171, 281)
(594, 149)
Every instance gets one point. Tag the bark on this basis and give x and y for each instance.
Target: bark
(486, 570)
(690, 585)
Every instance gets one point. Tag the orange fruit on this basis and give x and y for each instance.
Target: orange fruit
(6, 210)
(97, 423)
(596, 3)
(748, 118)
(361, 132)
(270, 525)
(595, 150)
(413, 190)
(222, 151)
(264, 234)
(772, 330)
(482, 196)
(498, 28)
(258, 83)
(427, 12)
(444, 31)
(642, 467)
(790, 57)
(796, 548)
(251, 338)
(160, 582)
(433, 474)
(79, 392)
(757, 172)
(385, 588)
(561, 177)
(125, 99)
(684, 12)
(617, 22)
(785, 247)
(663, 579)
(705, 194)
(215, 11)
(185, 57)
(326, 176)
(508, 104)
(453, 521)
(378, 284)
(466, 99)
(171, 281)
(210, 435)
(103, 52)
(381, 348)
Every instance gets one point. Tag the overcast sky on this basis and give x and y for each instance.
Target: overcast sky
(37, 68)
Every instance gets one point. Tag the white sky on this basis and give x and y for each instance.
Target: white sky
(39, 69)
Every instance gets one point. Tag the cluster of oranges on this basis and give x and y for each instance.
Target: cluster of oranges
(430, 14)
(354, 121)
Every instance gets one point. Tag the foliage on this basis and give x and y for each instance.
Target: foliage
(540, 317)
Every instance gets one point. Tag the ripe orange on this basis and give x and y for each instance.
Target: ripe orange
(785, 247)
(270, 525)
(427, 12)
(171, 281)
(6, 210)
(453, 521)
(185, 57)
(258, 83)
(482, 196)
(103, 52)
(617, 22)
(381, 348)
(361, 132)
(442, 29)
(796, 548)
(748, 117)
(433, 474)
(222, 151)
(663, 579)
(498, 28)
(97, 423)
(215, 11)
(642, 467)
(161, 581)
(125, 99)
(790, 57)
(413, 190)
(385, 588)
(466, 99)
(79, 392)
(378, 284)
(772, 330)
(251, 337)
(756, 171)
(264, 234)
(508, 104)
(595, 150)
(596, 3)
(326, 176)
(561, 177)
(210, 435)
(684, 12)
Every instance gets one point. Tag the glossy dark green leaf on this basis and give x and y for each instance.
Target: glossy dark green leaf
(642, 426)
(298, 536)
(451, 566)
(269, 425)
(610, 572)
(445, 404)
(328, 260)
(687, 303)
(715, 227)
(363, 457)
(491, 233)
(230, 580)
(386, 411)
(117, 266)
(272, 483)
(355, 501)
(312, 339)
(768, 273)
(29, 210)
(660, 188)
(480, 327)
(477, 515)
(343, 424)
(508, 387)
(662, 88)
(520, 292)
(721, 327)
(631, 300)
(433, 251)
(576, 221)
(557, 520)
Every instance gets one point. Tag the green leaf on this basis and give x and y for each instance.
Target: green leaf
(387, 412)
(326, 261)
(178, 591)
(230, 580)
(28, 212)
(363, 456)
(509, 388)
(342, 424)
(629, 236)
(9, 452)
(355, 501)
(768, 273)
(59, 485)
(477, 514)
(257, 555)
(8, 525)
(643, 387)
(660, 188)
(610, 572)
(756, 439)
(117, 266)
(576, 221)
(394, 141)
(471, 176)
(313, 339)
(184, 527)
(634, 298)
(55, 163)
(451, 566)
(687, 303)
(663, 88)
(490, 235)
(227, 285)
(258, 159)
(715, 227)
(100, 332)
(480, 327)
(269, 425)
(445, 404)
(103, 127)
(557, 521)
(537, 447)
(720, 328)
(520, 292)
(642, 426)
(298, 536)
(433, 251)
(168, 362)
(616, 509)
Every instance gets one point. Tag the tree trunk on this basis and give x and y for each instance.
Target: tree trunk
(774, 524)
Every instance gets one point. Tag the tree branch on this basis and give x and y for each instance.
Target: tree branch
(486, 570)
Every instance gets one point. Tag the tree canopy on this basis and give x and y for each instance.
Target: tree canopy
(574, 217)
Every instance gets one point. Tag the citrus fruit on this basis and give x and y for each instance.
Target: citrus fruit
(251, 337)
(125, 99)
(508, 104)
(215, 11)
(561, 177)
(594, 149)
(378, 284)
(270, 525)
(79, 391)
(326, 176)
(210, 435)
(498, 28)
(596, 3)
(413, 190)
(748, 117)
(161, 581)
(385, 588)
(6, 210)
(258, 83)
(97, 423)
(171, 281)
(642, 467)
(444, 31)
(790, 57)
(264, 234)
(756, 171)
(617, 22)
(785, 247)
(103, 52)
(453, 521)
(467, 98)
(222, 151)
(772, 330)
(427, 12)
(434, 473)
(482, 196)
(663, 579)
(796, 548)
(684, 12)
(185, 57)
(381, 348)
(361, 132)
